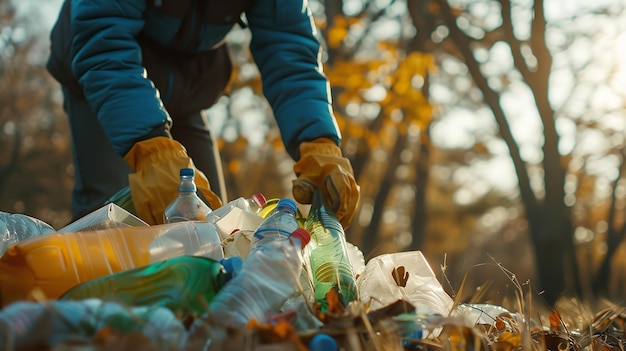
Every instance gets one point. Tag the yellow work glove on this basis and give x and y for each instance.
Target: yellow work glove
(157, 162)
(322, 166)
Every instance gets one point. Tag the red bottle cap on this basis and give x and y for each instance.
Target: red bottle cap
(302, 235)
(259, 198)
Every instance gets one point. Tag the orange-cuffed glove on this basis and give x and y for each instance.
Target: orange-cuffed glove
(322, 166)
(157, 162)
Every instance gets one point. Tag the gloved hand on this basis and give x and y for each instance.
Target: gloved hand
(322, 166)
(157, 162)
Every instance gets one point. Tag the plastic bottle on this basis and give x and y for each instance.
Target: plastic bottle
(187, 206)
(253, 204)
(268, 277)
(184, 284)
(270, 206)
(47, 325)
(55, 262)
(327, 254)
(15, 227)
(279, 224)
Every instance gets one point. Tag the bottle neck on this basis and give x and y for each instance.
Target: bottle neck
(187, 185)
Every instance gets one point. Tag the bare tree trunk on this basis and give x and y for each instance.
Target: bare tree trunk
(550, 223)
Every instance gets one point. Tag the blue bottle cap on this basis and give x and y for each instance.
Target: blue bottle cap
(232, 265)
(286, 203)
(187, 172)
(323, 342)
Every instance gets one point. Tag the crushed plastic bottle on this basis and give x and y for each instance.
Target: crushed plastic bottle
(55, 262)
(39, 326)
(15, 227)
(183, 284)
(268, 277)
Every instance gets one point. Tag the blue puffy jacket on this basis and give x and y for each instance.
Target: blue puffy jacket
(105, 58)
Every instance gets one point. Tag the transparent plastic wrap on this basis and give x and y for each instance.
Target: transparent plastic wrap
(15, 227)
(403, 275)
(108, 216)
(56, 262)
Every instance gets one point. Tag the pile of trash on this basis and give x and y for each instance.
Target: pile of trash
(246, 279)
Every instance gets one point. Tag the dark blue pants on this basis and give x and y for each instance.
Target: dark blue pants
(99, 172)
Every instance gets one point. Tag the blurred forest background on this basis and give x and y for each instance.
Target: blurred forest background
(489, 134)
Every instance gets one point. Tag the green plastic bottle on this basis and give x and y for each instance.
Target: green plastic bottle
(330, 265)
(184, 284)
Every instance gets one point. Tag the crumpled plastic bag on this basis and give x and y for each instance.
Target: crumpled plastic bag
(16, 227)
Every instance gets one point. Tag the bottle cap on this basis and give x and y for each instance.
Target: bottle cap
(286, 203)
(259, 199)
(323, 342)
(232, 265)
(302, 235)
(187, 172)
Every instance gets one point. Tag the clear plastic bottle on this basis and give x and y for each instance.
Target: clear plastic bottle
(187, 206)
(280, 222)
(327, 254)
(56, 262)
(267, 278)
(15, 227)
(184, 284)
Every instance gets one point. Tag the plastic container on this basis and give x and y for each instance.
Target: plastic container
(253, 204)
(187, 206)
(327, 254)
(268, 277)
(15, 227)
(55, 262)
(123, 199)
(184, 284)
(407, 276)
(107, 216)
(46, 326)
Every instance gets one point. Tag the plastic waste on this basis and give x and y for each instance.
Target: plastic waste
(39, 326)
(279, 224)
(187, 206)
(55, 262)
(123, 199)
(107, 216)
(253, 204)
(184, 284)
(15, 227)
(271, 204)
(327, 254)
(323, 342)
(403, 275)
(267, 278)
(238, 243)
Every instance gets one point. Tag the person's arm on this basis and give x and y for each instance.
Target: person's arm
(287, 52)
(106, 61)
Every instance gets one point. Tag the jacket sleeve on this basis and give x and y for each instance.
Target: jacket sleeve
(106, 61)
(286, 50)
